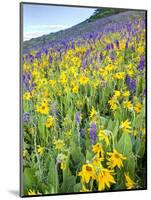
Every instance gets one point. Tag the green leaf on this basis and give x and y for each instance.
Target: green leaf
(130, 166)
(77, 187)
(29, 178)
(124, 144)
(115, 130)
(103, 121)
(110, 125)
(53, 176)
(68, 185)
(89, 155)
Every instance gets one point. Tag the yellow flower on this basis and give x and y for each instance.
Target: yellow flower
(52, 82)
(127, 104)
(93, 113)
(27, 96)
(40, 150)
(104, 135)
(115, 159)
(119, 75)
(32, 192)
(126, 93)
(87, 173)
(135, 133)
(105, 179)
(43, 109)
(25, 152)
(75, 89)
(130, 72)
(140, 50)
(122, 45)
(129, 182)
(59, 144)
(63, 79)
(125, 126)
(117, 93)
(138, 107)
(84, 80)
(50, 122)
(97, 148)
(113, 103)
(63, 165)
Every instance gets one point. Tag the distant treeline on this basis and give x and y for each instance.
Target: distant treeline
(104, 12)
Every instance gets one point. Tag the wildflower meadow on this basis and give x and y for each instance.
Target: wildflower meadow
(84, 110)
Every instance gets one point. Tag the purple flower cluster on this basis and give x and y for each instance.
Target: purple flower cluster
(131, 83)
(26, 117)
(141, 64)
(93, 133)
(78, 119)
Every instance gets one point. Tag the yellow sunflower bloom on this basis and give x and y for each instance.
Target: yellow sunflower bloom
(87, 173)
(105, 179)
(115, 159)
(129, 182)
(126, 126)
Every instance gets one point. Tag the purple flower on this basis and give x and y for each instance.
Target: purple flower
(127, 80)
(101, 56)
(117, 43)
(132, 84)
(126, 45)
(93, 133)
(78, 119)
(26, 117)
(54, 110)
(144, 93)
(112, 46)
(141, 63)
(112, 56)
(46, 51)
(108, 47)
(50, 59)
(38, 54)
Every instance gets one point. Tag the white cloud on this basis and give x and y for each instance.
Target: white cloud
(39, 30)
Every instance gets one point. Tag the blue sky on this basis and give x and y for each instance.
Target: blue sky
(44, 19)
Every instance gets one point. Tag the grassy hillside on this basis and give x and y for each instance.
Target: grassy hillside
(104, 12)
(96, 23)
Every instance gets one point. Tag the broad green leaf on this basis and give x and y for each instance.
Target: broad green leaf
(53, 176)
(77, 187)
(124, 145)
(130, 166)
(68, 185)
(29, 178)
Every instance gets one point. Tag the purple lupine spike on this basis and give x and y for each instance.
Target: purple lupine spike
(117, 43)
(144, 93)
(112, 56)
(50, 59)
(112, 46)
(78, 119)
(132, 84)
(127, 80)
(53, 109)
(28, 76)
(83, 65)
(126, 45)
(101, 56)
(26, 117)
(141, 64)
(38, 54)
(108, 47)
(93, 133)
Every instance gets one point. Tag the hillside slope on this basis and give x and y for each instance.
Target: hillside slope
(81, 29)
